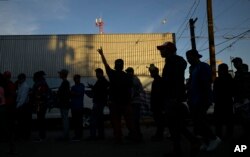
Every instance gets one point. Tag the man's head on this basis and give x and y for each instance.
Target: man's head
(237, 62)
(99, 73)
(167, 49)
(154, 71)
(7, 75)
(193, 57)
(39, 75)
(130, 71)
(119, 64)
(21, 78)
(222, 69)
(77, 78)
(63, 73)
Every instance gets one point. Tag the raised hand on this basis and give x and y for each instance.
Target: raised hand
(100, 51)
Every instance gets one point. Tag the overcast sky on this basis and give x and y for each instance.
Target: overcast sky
(231, 20)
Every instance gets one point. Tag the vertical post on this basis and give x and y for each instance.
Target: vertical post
(211, 38)
(192, 32)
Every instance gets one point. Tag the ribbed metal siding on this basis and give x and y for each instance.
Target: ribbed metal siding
(77, 53)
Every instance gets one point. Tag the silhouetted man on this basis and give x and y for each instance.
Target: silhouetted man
(156, 103)
(64, 101)
(120, 97)
(200, 98)
(237, 62)
(23, 108)
(77, 99)
(100, 98)
(39, 98)
(242, 96)
(136, 100)
(174, 91)
(223, 88)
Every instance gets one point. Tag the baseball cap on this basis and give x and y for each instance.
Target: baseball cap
(168, 45)
(193, 52)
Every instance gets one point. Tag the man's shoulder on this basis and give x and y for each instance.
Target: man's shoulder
(110, 70)
(204, 64)
(203, 70)
(179, 60)
(177, 57)
(120, 74)
(136, 78)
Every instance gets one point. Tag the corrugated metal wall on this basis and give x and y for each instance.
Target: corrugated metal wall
(77, 53)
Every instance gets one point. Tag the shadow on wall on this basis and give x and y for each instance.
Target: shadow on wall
(50, 53)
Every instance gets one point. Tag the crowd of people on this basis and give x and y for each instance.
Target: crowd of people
(173, 101)
(229, 95)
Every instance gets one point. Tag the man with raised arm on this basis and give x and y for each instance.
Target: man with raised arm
(119, 97)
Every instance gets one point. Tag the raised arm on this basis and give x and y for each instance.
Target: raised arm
(104, 61)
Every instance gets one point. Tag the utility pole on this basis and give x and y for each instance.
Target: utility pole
(192, 33)
(211, 38)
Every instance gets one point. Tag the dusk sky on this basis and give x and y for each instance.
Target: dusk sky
(231, 21)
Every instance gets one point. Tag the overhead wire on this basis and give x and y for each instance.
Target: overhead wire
(234, 42)
(226, 9)
(185, 20)
(239, 37)
(201, 32)
(230, 7)
(237, 26)
(186, 27)
(195, 8)
(228, 39)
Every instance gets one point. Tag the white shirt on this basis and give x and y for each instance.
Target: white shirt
(22, 94)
